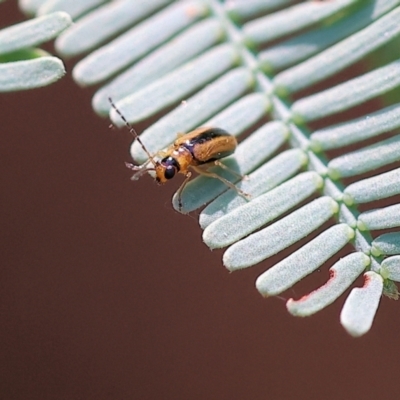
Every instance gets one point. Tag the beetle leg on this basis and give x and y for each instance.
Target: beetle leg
(227, 183)
(133, 167)
(223, 166)
(140, 169)
(180, 190)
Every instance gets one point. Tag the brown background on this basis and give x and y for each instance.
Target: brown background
(107, 293)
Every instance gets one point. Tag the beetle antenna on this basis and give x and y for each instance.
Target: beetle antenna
(131, 129)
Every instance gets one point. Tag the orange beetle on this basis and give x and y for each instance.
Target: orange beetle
(199, 150)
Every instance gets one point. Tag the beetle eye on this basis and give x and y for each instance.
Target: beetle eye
(169, 172)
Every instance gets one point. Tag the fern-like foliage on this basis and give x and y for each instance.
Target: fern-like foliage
(22, 65)
(263, 66)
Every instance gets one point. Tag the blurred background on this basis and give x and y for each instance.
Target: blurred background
(108, 293)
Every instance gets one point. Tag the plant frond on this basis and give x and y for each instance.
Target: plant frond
(22, 66)
(279, 69)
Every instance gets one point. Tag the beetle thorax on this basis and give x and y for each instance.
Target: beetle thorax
(184, 157)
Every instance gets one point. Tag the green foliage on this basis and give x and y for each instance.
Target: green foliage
(23, 66)
(271, 67)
